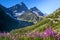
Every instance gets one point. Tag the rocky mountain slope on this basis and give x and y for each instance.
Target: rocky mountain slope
(23, 13)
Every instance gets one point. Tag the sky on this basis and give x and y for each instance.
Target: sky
(45, 6)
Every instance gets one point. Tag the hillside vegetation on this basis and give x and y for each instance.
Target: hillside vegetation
(52, 20)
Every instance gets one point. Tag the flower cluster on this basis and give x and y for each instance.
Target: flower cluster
(7, 35)
(49, 33)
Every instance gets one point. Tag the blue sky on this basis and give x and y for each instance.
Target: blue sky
(46, 6)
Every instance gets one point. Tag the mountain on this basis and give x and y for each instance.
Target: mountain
(30, 16)
(52, 20)
(8, 22)
(18, 8)
(22, 12)
(37, 11)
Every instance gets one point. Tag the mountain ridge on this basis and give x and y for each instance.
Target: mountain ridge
(23, 10)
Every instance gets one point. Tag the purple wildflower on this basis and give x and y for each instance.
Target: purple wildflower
(28, 34)
(44, 35)
(58, 36)
(36, 34)
(50, 32)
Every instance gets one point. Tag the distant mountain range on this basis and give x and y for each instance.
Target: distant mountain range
(23, 13)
